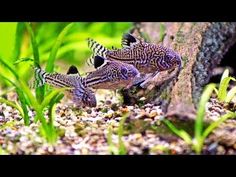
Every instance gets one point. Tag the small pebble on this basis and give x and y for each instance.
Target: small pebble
(85, 131)
(142, 99)
(89, 111)
(153, 113)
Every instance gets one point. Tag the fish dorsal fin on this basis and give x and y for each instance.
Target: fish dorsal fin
(128, 40)
(73, 70)
(97, 49)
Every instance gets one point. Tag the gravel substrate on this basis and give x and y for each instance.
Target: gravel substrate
(85, 131)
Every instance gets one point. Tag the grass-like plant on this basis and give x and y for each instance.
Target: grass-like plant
(38, 90)
(52, 56)
(222, 94)
(28, 100)
(121, 149)
(43, 99)
(199, 134)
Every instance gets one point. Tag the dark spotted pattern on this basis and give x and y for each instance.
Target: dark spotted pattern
(146, 57)
(81, 95)
(112, 75)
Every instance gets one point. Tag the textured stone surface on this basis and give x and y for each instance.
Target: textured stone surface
(201, 46)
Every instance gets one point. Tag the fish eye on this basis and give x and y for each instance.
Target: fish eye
(124, 72)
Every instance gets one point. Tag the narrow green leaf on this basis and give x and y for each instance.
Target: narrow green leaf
(181, 133)
(50, 96)
(201, 110)
(215, 124)
(57, 98)
(52, 136)
(52, 57)
(112, 148)
(32, 99)
(10, 68)
(122, 148)
(8, 80)
(33, 44)
(52, 107)
(44, 126)
(23, 60)
(215, 89)
(230, 95)
(39, 91)
(224, 75)
(18, 40)
(222, 93)
(24, 104)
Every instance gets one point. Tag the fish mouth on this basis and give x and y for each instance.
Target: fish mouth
(134, 72)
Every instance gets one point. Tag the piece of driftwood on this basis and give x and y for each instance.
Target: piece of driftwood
(201, 46)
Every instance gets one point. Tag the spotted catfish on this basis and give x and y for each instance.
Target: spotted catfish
(146, 57)
(81, 95)
(112, 75)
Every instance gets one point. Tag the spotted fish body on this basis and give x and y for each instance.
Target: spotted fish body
(146, 57)
(113, 75)
(81, 95)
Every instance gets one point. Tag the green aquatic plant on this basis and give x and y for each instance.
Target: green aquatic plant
(38, 90)
(112, 148)
(19, 35)
(199, 134)
(41, 44)
(23, 100)
(73, 49)
(28, 100)
(121, 149)
(222, 93)
(41, 101)
(52, 56)
(50, 99)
